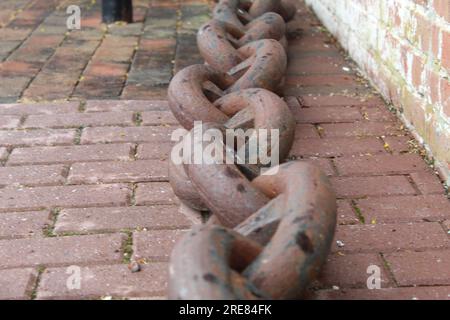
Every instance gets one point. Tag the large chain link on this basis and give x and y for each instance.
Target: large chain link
(269, 234)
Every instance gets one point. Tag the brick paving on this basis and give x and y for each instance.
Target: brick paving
(83, 182)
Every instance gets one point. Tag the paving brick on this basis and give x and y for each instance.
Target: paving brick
(378, 114)
(447, 226)
(37, 48)
(9, 122)
(427, 182)
(116, 49)
(12, 86)
(123, 171)
(144, 91)
(310, 42)
(355, 187)
(17, 284)
(127, 134)
(315, 65)
(3, 153)
(155, 245)
(89, 88)
(32, 175)
(14, 33)
(412, 293)
(335, 147)
(158, 118)
(69, 154)
(106, 69)
(380, 164)
(405, 209)
(12, 68)
(38, 108)
(420, 268)
(37, 198)
(327, 115)
(23, 224)
(345, 213)
(79, 250)
(119, 218)
(125, 105)
(306, 131)
(36, 137)
(390, 237)
(155, 193)
(321, 80)
(398, 144)
(339, 100)
(76, 120)
(360, 129)
(350, 270)
(100, 281)
(154, 150)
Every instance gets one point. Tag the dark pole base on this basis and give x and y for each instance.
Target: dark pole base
(117, 10)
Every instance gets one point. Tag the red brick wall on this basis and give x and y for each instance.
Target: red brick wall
(403, 47)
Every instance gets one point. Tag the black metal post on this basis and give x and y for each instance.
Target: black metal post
(117, 10)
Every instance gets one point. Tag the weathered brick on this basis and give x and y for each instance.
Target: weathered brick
(37, 48)
(61, 250)
(447, 226)
(13, 68)
(22, 224)
(37, 198)
(372, 186)
(69, 120)
(3, 153)
(350, 270)
(106, 69)
(36, 137)
(17, 284)
(380, 164)
(411, 293)
(100, 281)
(405, 209)
(69, 154)
(38, 108)
(321, 80)
(158, 118)
(345, 213)
(32, 175)
(398, 144)
(144, 91)
(155, 245)
(315, 65)
(118, 218)
(420, 268)
(390, 237)
(306, 131)
(360, 129)
(378, 114)
(327, 115)
(427, 182)
(9, 122)
(335, 147)
(155, 193)
(323, 164)
(127, 134)
(119, 171)
(156, 150)
(125, 105)
(337, 100)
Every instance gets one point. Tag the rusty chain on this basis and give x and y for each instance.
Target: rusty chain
(261, 223)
